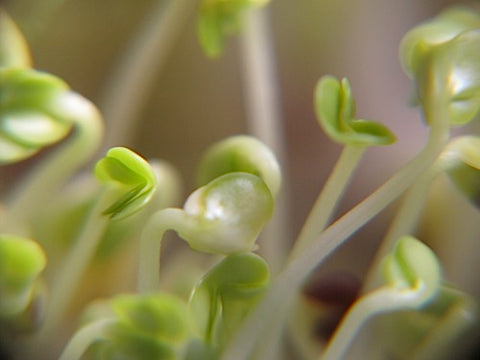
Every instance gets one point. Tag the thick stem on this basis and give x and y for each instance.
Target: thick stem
(129, 85)
(50, 174)
(327, 200)
(85, 337)
(264, 120)
(75, 263)
(148, 278)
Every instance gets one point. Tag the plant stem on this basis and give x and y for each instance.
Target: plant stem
(150, 245)
(75, 263)
(327, 200)
(127, 88)
(381, 301)
(279, 298)
(51, 173)
(264, 119)
(85, 337)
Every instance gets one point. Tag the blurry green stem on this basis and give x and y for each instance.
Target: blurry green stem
(150, 245)
(279, 298)
(328, 198)
(75, 262)
(85, 337)
(264, 120)
(132, 80)
(51, 173)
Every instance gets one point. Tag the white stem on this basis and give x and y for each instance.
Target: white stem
(380, 301)
(327, 200)
(132, 80)
(279, 298)
(50, 174)
(264, 119)
(75, 263)
(148, 279)
(85, 337)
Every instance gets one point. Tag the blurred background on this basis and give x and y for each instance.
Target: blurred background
(195, 100)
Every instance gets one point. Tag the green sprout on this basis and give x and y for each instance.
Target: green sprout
(223, 217)
(14, 50)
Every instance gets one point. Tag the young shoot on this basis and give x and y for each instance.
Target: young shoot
(129, 183)
(335, 110)
(223, 217)
(413, 276)
(21, 263)
(225, 295)
(152, 326)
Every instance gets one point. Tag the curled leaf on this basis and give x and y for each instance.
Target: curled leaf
(335, 110)
(413, 265)
(21, 262)
(225, 295)
(442, 56)
(226, 215)
(240, 153)
(131, 176)
(219, 18)
(14, 51)
(30, 117)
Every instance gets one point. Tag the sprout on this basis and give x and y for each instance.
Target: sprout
(219, 18)
(226, 294)
(335, 109)
(14, 51)
(240, 153)
(223, 217)
(413, 277)
(129, 183)
(150, 326)
(129, 174)
(442, 55)
(21, 262)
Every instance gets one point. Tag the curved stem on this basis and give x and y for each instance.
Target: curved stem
(148, 278)
(264, 119)
(85, 337)
(75, 263)
(328, 198)
(51, 173)
(380, 301)
(127, 88)
(280, 296)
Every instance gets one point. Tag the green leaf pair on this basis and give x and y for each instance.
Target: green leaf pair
(219, 18)
(31, 116)
(131, 176)
(335, 110)
(21, 262)
(226, 294)
(443, 56)
(413, 265)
